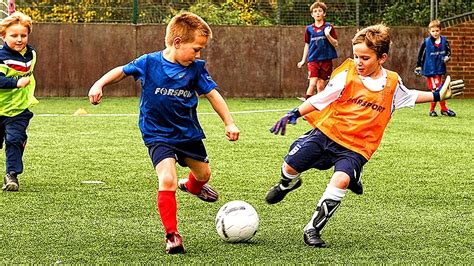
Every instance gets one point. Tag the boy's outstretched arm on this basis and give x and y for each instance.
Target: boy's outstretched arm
(113, 76)
(291, 117)
(220, 106)
(449, 90)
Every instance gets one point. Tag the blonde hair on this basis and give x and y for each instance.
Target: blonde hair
(317, 4)
(14, 19)
(184, 26)
(434, 24)
(376, 37)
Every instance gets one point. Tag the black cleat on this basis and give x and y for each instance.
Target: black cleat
(313, 238)
(207, 193)
(448, 112)
(278, 192)
(356, 187)
(10, 182)
(433, 113)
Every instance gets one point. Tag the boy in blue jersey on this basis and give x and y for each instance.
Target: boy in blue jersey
(433, 55)
(17, 86)
(320, 42)
(171, 81)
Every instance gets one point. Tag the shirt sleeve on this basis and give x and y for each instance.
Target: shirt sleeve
(306, 36)
(7, 83)
(404, 97)
(333, 32)
(205, 83)
(136, 68)
(421, 55)
(331, 93)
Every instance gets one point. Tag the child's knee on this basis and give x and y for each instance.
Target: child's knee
(204, 175)
(340, 180)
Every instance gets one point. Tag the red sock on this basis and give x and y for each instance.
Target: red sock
(167, 208)
(194, 186)
(443, 106)
(432, 106)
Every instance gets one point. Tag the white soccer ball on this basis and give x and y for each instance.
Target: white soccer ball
(236, 221)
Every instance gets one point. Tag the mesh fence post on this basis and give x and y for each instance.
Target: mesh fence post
(135, 12)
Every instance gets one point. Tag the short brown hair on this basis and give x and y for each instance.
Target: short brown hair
(434, 24)
(184, 26)
(317, 4)
(16, 18)
(376, 37)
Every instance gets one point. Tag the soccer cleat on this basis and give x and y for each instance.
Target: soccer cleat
(174, 244)
(448, 112)
(356, 187)
(313, 238)
(207, 192)
(10, 182)
(278, 192)
(433, 113)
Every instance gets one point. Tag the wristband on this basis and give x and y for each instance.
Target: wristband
(436, 96)
(296, 112)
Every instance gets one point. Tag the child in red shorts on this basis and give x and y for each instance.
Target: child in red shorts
(319, 49)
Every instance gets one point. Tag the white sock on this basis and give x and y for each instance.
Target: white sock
(289, 176)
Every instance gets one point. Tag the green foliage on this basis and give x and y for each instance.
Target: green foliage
(81, 11)
(416, 208)
(241, 12)
(227, 13)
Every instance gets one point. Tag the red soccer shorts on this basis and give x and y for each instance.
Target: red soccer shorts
(434, 82)
(320, 69)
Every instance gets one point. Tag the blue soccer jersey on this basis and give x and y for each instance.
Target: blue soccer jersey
(169, 98)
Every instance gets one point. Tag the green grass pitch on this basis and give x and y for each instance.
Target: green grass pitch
(417, 207)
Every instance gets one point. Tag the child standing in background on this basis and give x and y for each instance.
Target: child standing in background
(320, 42)
(433, 55)
(17, 87)
(171, 81)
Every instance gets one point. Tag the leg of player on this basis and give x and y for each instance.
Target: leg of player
(15, 141)
(196, 183)
(320, 84)
(290, 180)
(311, 87)
(166, 204)
(445, 110)
(327, 205)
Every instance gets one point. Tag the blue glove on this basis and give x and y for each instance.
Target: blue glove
(290, 117)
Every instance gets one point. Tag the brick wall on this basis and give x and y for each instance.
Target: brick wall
(460, 33)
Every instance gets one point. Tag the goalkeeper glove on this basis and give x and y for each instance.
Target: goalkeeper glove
(449, 89)
(290, 117)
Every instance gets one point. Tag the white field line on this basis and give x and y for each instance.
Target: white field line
(125, 115)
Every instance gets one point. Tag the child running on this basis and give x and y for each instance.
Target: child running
(17, 87)
(171, 81)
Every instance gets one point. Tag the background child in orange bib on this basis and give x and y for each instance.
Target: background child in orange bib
(349, 118)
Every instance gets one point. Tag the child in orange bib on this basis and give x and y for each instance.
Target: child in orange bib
(349, 118)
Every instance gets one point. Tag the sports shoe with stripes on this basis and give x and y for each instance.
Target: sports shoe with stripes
(313, 238)
(174, 244)
(278, 192)
(207, 193)
(10, 182)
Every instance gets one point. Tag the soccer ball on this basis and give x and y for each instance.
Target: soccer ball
(236, 221)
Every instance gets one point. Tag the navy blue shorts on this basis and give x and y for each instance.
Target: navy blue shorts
(316, 150)
(159, 151)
